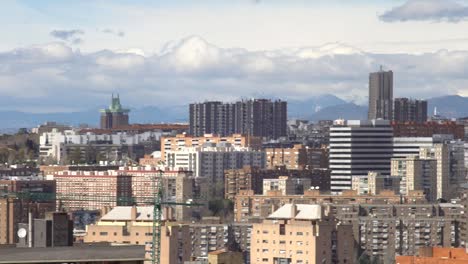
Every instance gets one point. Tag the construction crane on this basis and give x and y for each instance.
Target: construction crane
(156, 201)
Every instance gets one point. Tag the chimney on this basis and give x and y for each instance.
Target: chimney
(293, 210)
(133, 213)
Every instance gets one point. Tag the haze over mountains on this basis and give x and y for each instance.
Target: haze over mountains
(315, 108)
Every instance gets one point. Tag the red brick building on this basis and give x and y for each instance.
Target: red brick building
(428, 129)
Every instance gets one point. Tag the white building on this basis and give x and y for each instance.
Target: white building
(357, 147)
(53, 144)
(210, 160)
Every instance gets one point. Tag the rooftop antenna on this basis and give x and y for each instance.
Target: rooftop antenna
(435, 110)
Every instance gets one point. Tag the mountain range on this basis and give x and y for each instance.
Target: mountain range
(314, 108)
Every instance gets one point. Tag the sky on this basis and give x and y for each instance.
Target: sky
(58, 55)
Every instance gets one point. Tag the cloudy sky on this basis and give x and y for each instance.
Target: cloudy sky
(60, 55)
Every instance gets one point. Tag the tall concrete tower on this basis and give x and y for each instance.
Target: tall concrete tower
(381, 95)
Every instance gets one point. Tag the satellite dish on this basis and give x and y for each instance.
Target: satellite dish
(22, 233)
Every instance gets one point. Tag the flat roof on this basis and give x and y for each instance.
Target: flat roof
(82, 253)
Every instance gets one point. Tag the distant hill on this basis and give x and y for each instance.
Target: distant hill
(315, 108)
(303, 109)
(345, 111)
(452, 106)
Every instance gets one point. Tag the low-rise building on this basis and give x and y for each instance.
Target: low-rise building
(134, 225)
(436, 255)
(251, 178)
(249, 206)
(374, 183)
(287, 185)
(184, 140)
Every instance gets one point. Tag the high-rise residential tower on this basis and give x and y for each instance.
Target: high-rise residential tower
(412, 110)
(256, 117)
(115, 116)
(381, 95)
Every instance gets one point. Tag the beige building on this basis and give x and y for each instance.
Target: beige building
(374, 183)
(224, 256)
(297, 157)
(134, 225)
(416, 174)
(286, 185)
(185, 140)
(441, 153)
(301, 233)
(248, 205)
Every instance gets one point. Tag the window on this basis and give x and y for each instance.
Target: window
(299, 233)
(265, 231)
(103, 233)
(264, 241)
(115, 233)
(282, 229)
(265, 250)
(282, 242)
(264, 259)
(299, 252)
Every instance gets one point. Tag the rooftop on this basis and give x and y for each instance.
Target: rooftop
(124, 213)
(79, 254)
(301, 212)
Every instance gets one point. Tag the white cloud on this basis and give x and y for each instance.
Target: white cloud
(56, 76)
(431, 10)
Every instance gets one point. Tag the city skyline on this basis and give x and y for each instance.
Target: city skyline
(262, 49)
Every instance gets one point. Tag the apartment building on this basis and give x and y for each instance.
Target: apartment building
(211, 160)
(287, 185)
(249, 206)
(409, 110)
(296, 157)
(92, 190)
(415, 173)
(256, 117)
(251, 178)
(301, 233)
(16, 204)
(184, 140)
(78, 146)
(210, 234)
(384, 231)
(375, 183)
(134, 225)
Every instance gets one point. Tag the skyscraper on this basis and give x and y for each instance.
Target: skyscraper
(115, 116)
(256, 117)
(405, 109)
(381, 95)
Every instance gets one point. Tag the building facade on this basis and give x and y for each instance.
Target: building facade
(181, 141)
(134, 225)
(357, 147)
(381, 95)
(301, 233)
(287, 185)
(18, 202)
(115, 116)
(410, 110)
(251, 178)
(256, 117)
(416, 173)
